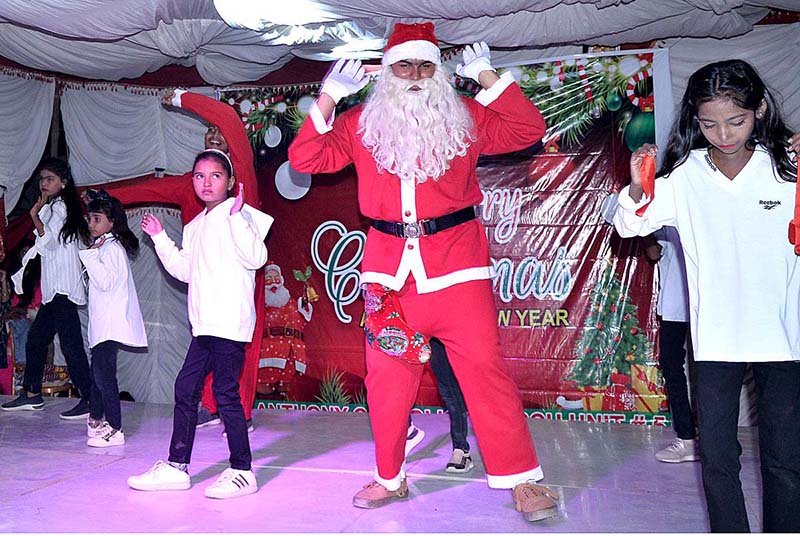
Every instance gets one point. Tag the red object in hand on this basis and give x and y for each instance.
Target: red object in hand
(648, 174)
(793, 225)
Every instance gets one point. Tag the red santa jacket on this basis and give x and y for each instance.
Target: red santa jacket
(178, 189)
(505, 121)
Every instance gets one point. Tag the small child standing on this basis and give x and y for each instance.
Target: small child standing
(222, 248)
(727, 186)
(114, 314)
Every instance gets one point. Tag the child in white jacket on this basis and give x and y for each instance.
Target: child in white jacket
(114, 314)
(221, 249)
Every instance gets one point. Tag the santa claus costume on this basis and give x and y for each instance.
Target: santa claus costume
(415, 151)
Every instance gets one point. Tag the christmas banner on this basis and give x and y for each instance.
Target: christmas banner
(575, 303)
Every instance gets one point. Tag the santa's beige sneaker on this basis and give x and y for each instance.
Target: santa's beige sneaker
(535, 502)
(681, 450)
(374, 495)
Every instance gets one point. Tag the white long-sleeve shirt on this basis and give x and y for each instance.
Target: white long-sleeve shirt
(219, 256)
(114, 313)
(673, 294)
(742, 272)
(61, 267)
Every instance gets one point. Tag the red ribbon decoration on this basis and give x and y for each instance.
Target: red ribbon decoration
(648, 174)
(795, 223)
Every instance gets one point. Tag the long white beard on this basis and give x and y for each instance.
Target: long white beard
(415, 134)
(278, 298)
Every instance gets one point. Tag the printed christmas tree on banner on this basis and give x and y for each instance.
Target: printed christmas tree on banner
(610, 344)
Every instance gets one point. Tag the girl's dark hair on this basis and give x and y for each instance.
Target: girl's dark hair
(738, 81)
(75, 227)
(102, 203)
(218, 156)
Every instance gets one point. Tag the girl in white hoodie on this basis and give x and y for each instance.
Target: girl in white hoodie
(114, 314)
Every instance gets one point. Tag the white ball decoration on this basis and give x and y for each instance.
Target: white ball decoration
(304, 103)
(516, 72)
(541, 76)
(245, 106)
(629, 66)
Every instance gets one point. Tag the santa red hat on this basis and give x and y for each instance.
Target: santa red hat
(271, 266)
(412, 41)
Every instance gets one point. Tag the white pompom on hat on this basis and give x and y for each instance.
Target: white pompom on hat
(412, 42)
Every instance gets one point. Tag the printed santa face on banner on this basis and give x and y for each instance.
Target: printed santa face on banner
(275, 292)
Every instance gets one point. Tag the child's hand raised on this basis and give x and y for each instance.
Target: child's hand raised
(636, 162)
(794, 146)
(151, 225)
(239, 201)
(40, 202)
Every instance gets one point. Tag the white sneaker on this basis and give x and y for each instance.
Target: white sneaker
(110, 438)
(460, 462)
(681, 450)
(232, 483)
(95, 428)
(162, 476)
(414, 437)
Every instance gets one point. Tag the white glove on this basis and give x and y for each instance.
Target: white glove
(345, 78)
(477, 59)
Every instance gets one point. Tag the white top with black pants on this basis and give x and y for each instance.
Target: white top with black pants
(219, 257)
(744, 298)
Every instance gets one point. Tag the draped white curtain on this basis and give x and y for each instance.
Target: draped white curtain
(116, 134)
(27, 110)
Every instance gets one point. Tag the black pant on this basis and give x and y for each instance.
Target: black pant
(672, 338)
(777, 386)
(225, 359)
(105, 391)
(451, 395)
(58, 316)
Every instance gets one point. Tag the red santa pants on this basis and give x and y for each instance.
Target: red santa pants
(464, 318)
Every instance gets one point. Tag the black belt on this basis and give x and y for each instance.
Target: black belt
(425, 227)
(279, 331)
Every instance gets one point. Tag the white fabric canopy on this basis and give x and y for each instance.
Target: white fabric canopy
(114, 39)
